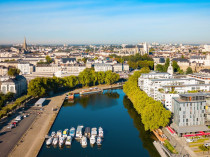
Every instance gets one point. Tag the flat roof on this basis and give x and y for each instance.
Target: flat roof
(186, 85)
(173, 79)
(40, 101)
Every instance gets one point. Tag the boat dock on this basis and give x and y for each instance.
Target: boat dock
(102, 87)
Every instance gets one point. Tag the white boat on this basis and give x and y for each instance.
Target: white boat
(79, 131)
(49, 141)
(100, 132)
(94, 132)
(72, 132)
(84, 141)
(65, 133)
(61, 141)
(92, 140)
(55, 141)
(59, 133)
(53, 134)
(68, 140)
(99, 141)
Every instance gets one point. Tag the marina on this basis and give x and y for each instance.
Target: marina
(121, 126)
(67, 137)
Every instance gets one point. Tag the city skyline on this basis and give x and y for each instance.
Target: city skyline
(94, 22)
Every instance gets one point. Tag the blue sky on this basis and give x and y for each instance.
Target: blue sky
(95, 21)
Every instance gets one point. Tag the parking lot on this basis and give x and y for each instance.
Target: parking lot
(10, 136)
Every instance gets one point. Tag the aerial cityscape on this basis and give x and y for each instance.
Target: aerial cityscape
(104, 78)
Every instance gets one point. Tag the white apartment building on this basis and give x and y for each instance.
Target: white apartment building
(25, 68)
(102, 67)
(42, 68)
(117, 67)
(161, 86)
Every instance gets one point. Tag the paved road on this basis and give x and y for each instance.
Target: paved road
(9, 137)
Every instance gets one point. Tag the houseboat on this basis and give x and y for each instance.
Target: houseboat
(72, 132)
(90, 91)
(87, 132)
(65, 133)
(100, 132)
(79, 131)
(49, 141)
(94, 132)
(68, 140)
(92, 140)
(84, 141)
(99, 140)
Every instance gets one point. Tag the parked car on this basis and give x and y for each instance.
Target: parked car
(19, 118)
(189, 140)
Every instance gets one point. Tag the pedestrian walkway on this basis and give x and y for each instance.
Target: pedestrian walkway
(179, 144)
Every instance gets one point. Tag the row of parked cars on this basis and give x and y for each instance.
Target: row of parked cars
(16, 120)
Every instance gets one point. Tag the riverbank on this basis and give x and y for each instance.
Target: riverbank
(31, 142)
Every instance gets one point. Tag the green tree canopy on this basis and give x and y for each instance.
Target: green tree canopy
(48, 59)
(189, 70)
(13, 72)
(153, 114)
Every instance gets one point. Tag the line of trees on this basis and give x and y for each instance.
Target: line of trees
(152, 112)
(136, 61)
(43, 86)
(10, 107)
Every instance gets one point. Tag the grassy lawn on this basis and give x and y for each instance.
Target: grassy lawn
(195, 145)
(200, 140)
(170, 147)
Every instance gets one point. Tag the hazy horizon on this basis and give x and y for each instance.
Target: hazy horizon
(104, 22)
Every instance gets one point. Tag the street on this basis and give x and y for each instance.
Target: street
(10, 137)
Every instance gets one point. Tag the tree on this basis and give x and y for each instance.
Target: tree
(84, 60)
(160, 68)
(48, 59)
(175, 66)
(13, 72)
(153, 114)
(85, 77)
(111, 77)
(189, 70)
(36, 87)
(145, 70)
(71, 81)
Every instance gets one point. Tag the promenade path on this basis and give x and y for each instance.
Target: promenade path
(31, 142)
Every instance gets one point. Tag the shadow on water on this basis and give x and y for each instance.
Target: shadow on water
(89, 100)
(145, 136)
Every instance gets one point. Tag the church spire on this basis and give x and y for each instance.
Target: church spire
(24, 44)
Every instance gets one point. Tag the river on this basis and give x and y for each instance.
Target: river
(124, 133)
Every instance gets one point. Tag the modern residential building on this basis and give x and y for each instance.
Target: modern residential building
(189, 112)
(162, 87)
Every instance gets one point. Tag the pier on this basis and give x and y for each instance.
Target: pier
(102, 87)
